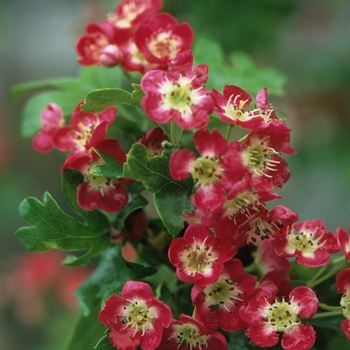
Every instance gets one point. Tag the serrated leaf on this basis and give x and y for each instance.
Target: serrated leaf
(112, 169)
(53, 229)
(87, 331)
(98, 100)
(136, 202)
(104, 344)
(171, 198)
(109, 277)
(137, 93)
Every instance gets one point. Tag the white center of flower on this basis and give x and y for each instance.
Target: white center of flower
(281, 315)
(188, 336)
(137, 316)
(180, 96)
(164, 44)
(240, 202)
(206, 170)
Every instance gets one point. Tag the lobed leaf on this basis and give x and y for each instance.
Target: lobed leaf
(171, 198)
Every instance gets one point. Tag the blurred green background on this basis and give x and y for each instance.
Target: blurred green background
(307, 40)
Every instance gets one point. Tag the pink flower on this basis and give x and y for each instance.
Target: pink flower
(52, 120)
(153, 141)
(342, 285)
(161, 38)
(129, 13)
(198, 256)
(191, 334)
(99, 192)
(136, 318)
(267, 316)
(217, 305)
(344, 242)
(308, 242)
(99, 45)
(85, 130)
(177, 95)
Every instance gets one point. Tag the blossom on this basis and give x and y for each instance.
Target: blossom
(308, 242)
(210, 173)
(99, 192)
(153, 141)
(267, 316)
(85, 129)
(129, 13)
(136, 318)
(99, 45)
(52, 119)
(344, 242)
(198, 256)
(217, 304)
(161, 38)
(177, 95)
(342, 285)
(192, 334)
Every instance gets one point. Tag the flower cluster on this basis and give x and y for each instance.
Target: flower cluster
(233, 252)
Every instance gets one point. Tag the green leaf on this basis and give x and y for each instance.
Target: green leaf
(53, 229)
(87, 331)
(104, 344)
(109, 277)
(171, 198)
(112, 169)
(63, 91)
(98, 100)
(137, 93)
(136, 201)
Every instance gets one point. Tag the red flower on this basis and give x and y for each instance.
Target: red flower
(342, 285)
(344, 242)
(217, 305)
(136, 318)
(52, 120)
(198, 256)
(308, 242)
(99, 45)
(191, 334)
(177, 95)
(153, 141)
(161, 38)
(99, 192)
(129, 13)
(267, 316)
(85, 129)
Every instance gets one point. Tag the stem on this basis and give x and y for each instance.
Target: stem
(330, 308)
(327, 314)
(319, 273)
(313, 283)
(228, 131)
(172, 133)
(243, 138)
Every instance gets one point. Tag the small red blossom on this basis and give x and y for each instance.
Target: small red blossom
(52, 120)
(308, 242)
(99, 45)
(177, 95)
(267, 316)
(161, 38)
(344, 241)
(99, 192)
(342, 285)
(198, 256)
(217, 305)
(191, 334)
(211, 171)
(85, 130)
(136, 318)
(153, 141)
